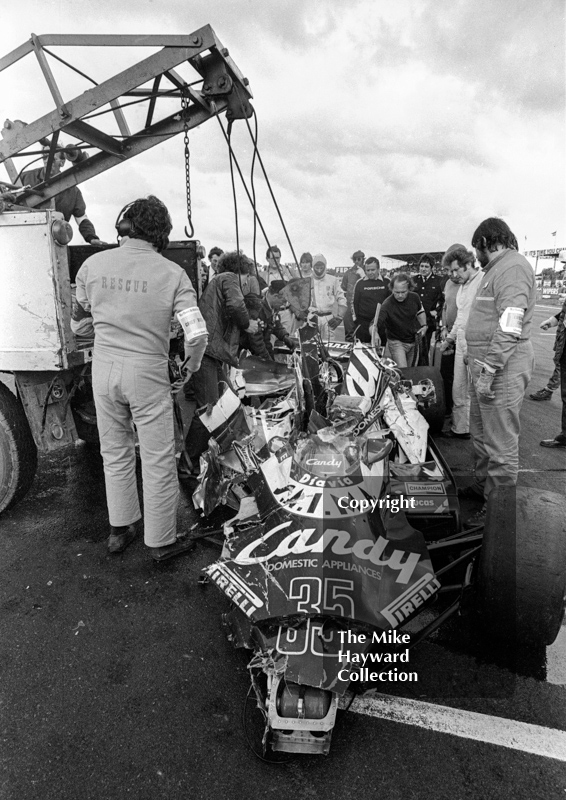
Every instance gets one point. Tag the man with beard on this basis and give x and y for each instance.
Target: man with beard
(500, 356)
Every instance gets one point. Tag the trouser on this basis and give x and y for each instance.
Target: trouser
(554, 381)
(363, 333)
(349, 325)
(562, 368)
(494, 424)
(447, 372)
(424, 345)
(206, 383)
(127, 391)
(460, 391)
(327, 334)
(402, 353)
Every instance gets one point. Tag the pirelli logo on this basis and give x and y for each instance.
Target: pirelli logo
(408, 602)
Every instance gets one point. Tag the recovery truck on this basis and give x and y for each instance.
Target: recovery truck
(51, 406)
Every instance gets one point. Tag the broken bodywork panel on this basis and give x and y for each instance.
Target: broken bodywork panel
(320, 544)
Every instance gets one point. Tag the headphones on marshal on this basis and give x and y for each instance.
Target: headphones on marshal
(125, 227)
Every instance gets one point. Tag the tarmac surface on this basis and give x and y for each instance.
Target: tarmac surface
(117, 679)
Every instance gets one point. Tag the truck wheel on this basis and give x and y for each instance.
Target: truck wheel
(522, 568)
(18, 453)
(436, 411)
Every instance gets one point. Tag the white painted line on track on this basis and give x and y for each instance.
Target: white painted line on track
(535, 739)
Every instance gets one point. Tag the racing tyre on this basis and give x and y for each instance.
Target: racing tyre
(18, 453)
(522, 568)
(436, 411)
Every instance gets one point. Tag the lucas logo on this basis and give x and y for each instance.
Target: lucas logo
(337, 542)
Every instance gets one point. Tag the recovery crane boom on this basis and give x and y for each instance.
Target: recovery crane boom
(223, 88)
(50, 404)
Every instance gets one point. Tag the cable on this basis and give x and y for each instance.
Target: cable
(252, 183)
(256, 215)
(66, 63)
(267, 179)
(172, 93)
(230, 158)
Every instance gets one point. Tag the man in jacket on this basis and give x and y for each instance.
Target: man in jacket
(225, 313)
(349, 281)
(500, 355)
(462, 264)
(429, 288)
(129, 295)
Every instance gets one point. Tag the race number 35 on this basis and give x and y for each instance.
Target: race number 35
(323, 595)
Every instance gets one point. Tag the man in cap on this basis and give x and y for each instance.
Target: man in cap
(328, 300)
(429, 288)
(349, 281)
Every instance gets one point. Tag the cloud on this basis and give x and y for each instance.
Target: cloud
(393, 126)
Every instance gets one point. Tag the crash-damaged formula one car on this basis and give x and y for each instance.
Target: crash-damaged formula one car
(328, 541)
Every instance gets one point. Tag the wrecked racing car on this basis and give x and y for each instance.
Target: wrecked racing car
(330, 553)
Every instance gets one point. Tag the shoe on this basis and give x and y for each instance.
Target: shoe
(553, 443)
(183, 544)
(472, 492)
(186, 474)
(542, 394)
(478, 518)
(450, 434)
(117, 542)
(185, 469)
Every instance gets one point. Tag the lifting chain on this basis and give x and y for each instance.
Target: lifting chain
(190, 231)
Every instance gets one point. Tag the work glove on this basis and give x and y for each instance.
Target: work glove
(194, 353)
(253, 327)
(334, 322)
(447, 346)
(483, 384)
(288, 342)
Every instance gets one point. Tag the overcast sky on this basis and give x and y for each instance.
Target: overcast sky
(387, 125)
